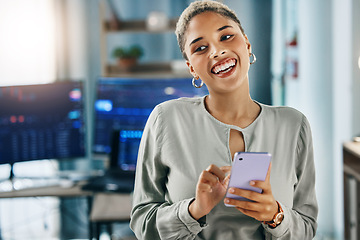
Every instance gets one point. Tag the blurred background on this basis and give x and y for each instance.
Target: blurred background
(308, 57)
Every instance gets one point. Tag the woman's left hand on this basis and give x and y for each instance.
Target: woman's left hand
(264, 206)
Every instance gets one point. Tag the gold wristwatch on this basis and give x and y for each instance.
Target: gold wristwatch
(277, 219)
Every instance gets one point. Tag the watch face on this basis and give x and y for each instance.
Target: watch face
(278, 219)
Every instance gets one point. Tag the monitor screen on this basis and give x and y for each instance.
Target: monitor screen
(41, 122)
(124, 105)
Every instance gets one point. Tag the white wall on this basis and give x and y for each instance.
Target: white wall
(327, 92)
(342, 100)
(316, 99)
(355, 65)
(39, 218)
(27, 30)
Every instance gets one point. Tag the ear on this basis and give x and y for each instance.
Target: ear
(247, 42)
(191, 69)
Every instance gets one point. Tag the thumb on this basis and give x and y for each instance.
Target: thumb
(227, 171)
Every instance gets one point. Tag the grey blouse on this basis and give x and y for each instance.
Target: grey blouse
(181, 139)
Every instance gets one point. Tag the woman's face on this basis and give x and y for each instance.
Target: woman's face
(218, 52)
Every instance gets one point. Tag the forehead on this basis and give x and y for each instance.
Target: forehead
(207, 22)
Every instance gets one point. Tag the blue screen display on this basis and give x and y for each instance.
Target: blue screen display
(41, 122)
(124, 104)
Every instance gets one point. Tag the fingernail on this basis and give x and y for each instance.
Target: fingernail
(252, 183)
(231, 190)
(227, 200)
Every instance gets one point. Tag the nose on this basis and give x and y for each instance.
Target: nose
(216, 54)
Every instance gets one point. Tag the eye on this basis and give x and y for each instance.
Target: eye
(226, 37)
(199, 49)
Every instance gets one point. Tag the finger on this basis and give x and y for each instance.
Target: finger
(216, 171)
(226, 181)
(267, 179)
(250, 209)
(226, 169)
(207, 177)
(249, 194)
(243, 204)
(264, 185)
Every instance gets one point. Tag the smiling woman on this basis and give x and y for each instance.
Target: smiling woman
(188, 144)
(27, 42)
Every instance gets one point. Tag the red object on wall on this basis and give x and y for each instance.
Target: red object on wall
(292, 58)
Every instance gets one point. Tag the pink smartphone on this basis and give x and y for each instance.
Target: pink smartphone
(248, 166)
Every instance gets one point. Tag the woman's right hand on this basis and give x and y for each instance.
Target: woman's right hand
(210, 190)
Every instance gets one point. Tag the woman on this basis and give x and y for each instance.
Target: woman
(188, 144)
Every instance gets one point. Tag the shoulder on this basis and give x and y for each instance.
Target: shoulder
(181, 102)
(290, 119)
(282, 111)
(182, 105)
(172, 110)
(284, 115)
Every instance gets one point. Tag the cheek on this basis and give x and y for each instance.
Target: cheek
(240, 45)
(198, 63)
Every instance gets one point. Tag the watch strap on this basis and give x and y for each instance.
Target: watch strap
(277, 219)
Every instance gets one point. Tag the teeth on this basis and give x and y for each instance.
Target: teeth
(224, 66)
(227, 70)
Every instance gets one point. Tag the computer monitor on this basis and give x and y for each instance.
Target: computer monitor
(122, 107)
(124, 149)
(44, 121)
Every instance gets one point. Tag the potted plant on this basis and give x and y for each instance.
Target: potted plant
(127, 57)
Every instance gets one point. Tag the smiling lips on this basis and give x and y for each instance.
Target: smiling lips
(224, 67)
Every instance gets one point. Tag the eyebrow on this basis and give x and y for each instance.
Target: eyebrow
(224, 27)
(195, 40)
(200, 38)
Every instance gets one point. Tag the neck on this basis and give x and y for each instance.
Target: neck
(235, 108)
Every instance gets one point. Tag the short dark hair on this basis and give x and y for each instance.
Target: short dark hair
(196, 8)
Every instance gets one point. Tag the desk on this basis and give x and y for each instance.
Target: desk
(105, 207)
(108, 208)
(48, 191)
(351, 160)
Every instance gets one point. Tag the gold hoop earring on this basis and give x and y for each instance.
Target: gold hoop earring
(254, 58)
(195, 85)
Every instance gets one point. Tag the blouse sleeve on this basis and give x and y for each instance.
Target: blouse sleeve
(152, 216)
(300, 220)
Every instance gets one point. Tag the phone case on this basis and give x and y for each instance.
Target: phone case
(248, 166)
